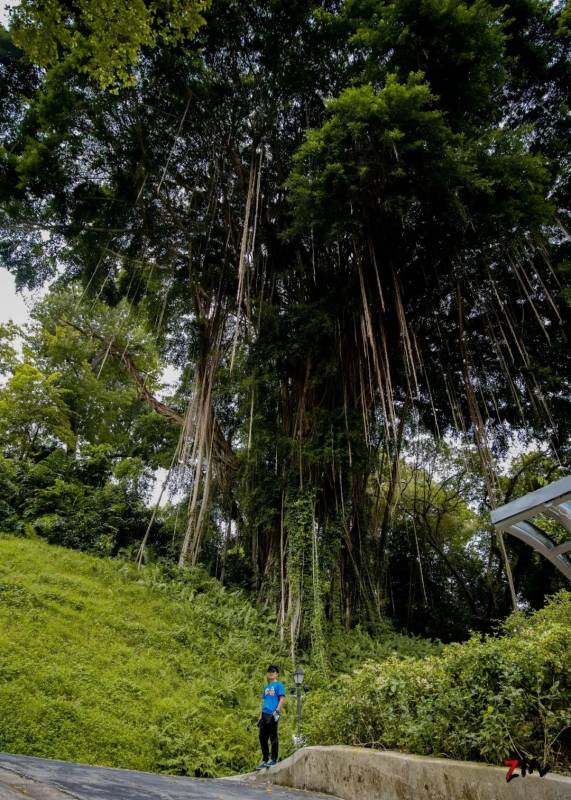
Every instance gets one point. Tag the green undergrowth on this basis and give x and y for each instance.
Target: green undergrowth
(154, 669)
(161, 670)
(105, 665)
(486, 699)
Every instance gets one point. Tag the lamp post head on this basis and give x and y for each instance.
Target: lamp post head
(298, 676)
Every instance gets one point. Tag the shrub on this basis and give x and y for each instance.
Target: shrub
(482, 700)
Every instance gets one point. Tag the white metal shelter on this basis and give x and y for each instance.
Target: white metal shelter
(553, 500)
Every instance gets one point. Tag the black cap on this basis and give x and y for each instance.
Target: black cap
(273, 668)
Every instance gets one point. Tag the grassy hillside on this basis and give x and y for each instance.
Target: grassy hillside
(101, 664)
(105, 664)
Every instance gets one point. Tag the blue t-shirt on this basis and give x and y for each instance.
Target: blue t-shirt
(271, 695)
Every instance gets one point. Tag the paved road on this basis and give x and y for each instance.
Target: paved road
(43, 779)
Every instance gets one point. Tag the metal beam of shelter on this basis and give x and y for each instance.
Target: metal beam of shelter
(553, 500)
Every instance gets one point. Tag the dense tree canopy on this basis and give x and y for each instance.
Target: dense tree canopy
(346, 224)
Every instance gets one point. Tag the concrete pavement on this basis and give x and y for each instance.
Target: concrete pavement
(44, 779)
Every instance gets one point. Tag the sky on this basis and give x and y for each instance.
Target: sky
(4, 6)
(13, 306)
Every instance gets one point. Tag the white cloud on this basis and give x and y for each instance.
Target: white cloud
(4, 8)
(13, 306)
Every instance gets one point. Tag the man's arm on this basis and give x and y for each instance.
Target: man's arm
(281, 698)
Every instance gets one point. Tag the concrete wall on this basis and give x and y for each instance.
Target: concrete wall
(355, 773)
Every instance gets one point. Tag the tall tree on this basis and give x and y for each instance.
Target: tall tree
(332, 216)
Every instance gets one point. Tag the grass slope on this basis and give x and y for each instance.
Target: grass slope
(105, 665)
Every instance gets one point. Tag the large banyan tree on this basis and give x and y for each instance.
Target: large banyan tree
(335, 217)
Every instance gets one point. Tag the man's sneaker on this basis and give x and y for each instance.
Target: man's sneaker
(263, 765)
(271, 763)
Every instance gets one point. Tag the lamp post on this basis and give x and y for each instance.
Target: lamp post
(298, 677)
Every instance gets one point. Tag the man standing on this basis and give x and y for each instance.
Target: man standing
(273, 699)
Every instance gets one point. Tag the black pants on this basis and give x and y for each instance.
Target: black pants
(269, 730)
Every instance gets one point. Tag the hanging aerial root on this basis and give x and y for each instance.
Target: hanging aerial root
(247, 244)
(482, 446)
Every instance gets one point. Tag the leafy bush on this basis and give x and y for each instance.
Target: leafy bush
(86, 500)
(483, 699)
(347, 650)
